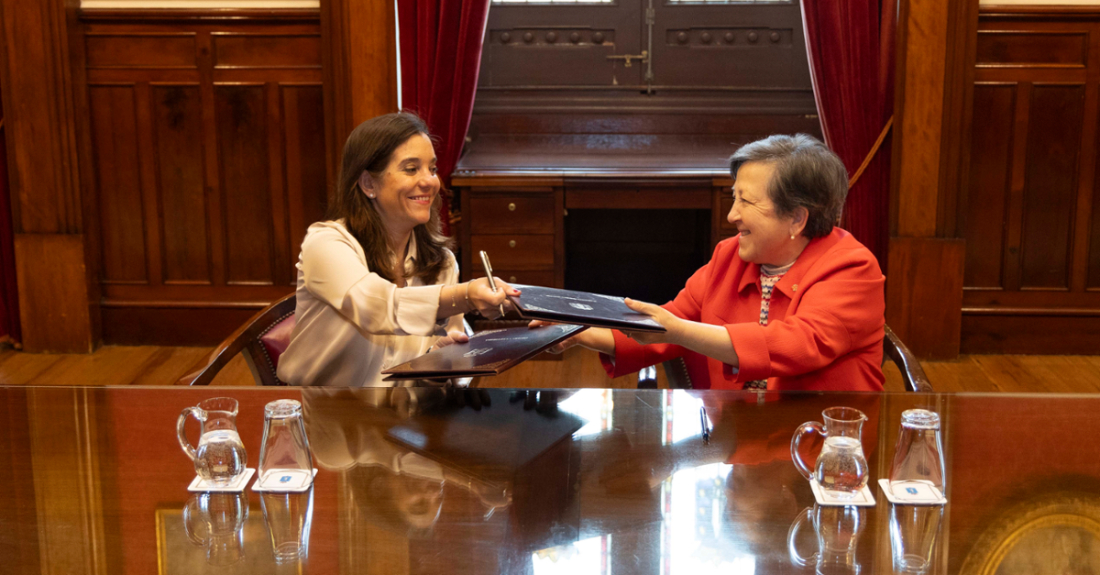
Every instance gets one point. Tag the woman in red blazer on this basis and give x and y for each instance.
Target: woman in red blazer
(791, 303)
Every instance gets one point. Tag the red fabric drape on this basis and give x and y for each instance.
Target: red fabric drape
(851, 52)
(9, 298)
(440, 59)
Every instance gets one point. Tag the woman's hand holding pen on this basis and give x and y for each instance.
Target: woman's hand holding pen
(488, 302)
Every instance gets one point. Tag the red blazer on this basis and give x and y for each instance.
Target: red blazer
(825, 321)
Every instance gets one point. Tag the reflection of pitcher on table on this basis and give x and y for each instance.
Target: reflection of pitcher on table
(216, 521)
(838, 530)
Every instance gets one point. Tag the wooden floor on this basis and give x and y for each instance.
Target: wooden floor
(148, 365)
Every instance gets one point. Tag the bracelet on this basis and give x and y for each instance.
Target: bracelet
(470, 305)
(453, 304)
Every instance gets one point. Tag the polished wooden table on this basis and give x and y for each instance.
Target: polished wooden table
(568, 481)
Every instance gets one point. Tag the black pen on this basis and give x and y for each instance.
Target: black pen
(706, 426)
(489, 273)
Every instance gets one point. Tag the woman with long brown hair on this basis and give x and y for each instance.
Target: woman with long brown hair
(377, 282)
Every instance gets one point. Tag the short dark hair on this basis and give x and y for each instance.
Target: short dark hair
(370, 148)
(807, 175)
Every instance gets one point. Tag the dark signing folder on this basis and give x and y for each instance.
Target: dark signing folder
(487, 353)
(582, 308)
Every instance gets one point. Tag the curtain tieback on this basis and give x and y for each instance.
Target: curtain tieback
(871, 155)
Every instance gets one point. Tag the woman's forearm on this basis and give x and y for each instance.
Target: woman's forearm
(709, 340)
(598, 339)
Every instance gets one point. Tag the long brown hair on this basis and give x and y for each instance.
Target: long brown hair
(370, 147)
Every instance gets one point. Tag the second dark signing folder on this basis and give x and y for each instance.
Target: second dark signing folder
(487, 353)
(583, 308)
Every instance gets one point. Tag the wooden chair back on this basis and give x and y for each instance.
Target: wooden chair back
(261, 340)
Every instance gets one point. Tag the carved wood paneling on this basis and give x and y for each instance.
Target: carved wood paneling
(1029, 213)
(114, 131)
(1050, 192)
(209, 155)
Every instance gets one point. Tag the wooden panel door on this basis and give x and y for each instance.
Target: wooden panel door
(1029, 214)
(208, 149)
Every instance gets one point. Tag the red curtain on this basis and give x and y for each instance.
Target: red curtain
(440, 59)
(9, 298)
(851, 51)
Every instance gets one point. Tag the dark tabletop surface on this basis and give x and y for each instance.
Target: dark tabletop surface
(554, 481)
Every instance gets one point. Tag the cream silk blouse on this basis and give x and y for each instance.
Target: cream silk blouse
(350, 323)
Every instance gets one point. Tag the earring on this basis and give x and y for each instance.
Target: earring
(792, 235)
(371, 196)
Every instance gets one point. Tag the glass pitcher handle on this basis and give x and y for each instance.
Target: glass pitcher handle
(792, 547)
(802, 431)
(186, 445)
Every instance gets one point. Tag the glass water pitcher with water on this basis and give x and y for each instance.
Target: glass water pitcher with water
(841, 467)
(220, 456)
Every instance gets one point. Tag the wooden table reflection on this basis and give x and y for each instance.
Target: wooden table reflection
(569, 481)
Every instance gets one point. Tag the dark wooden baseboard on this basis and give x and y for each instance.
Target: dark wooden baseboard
(1031, 334)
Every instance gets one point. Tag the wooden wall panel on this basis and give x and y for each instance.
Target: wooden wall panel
(1011, 48)
(118, 180)
(246, 194)
(173, 50)
(263, 51)
(983, 222)
(1093, 281)
(217, 171)
(304, 127)
(1042, 147)
(44, 175)
(181, 215)
(1050, 194)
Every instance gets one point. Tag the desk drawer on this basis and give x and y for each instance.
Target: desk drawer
(514, 252)
(512, 214)
(528, 277)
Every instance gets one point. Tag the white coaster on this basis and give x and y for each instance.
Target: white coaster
(861, 498)
(912, 492)
(290, 481)
(200, 485)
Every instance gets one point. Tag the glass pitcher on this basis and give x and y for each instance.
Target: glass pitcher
(841, 467)
(220, 456)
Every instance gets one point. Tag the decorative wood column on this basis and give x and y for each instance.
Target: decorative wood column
(359, 50)
(56, 305)
(924, 277)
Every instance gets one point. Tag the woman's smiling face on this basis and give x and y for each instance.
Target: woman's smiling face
(765, 237)
(404, 193)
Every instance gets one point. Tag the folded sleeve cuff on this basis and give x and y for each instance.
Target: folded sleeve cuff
(629, 356)
(416, 308)
(753, 359)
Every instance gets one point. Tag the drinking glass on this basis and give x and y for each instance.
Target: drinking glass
(215, 521)
(220, 456)
(288, 517)
(838, 530)
(841, 467)
(285, 458)
(913, 531)
(918, 457)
